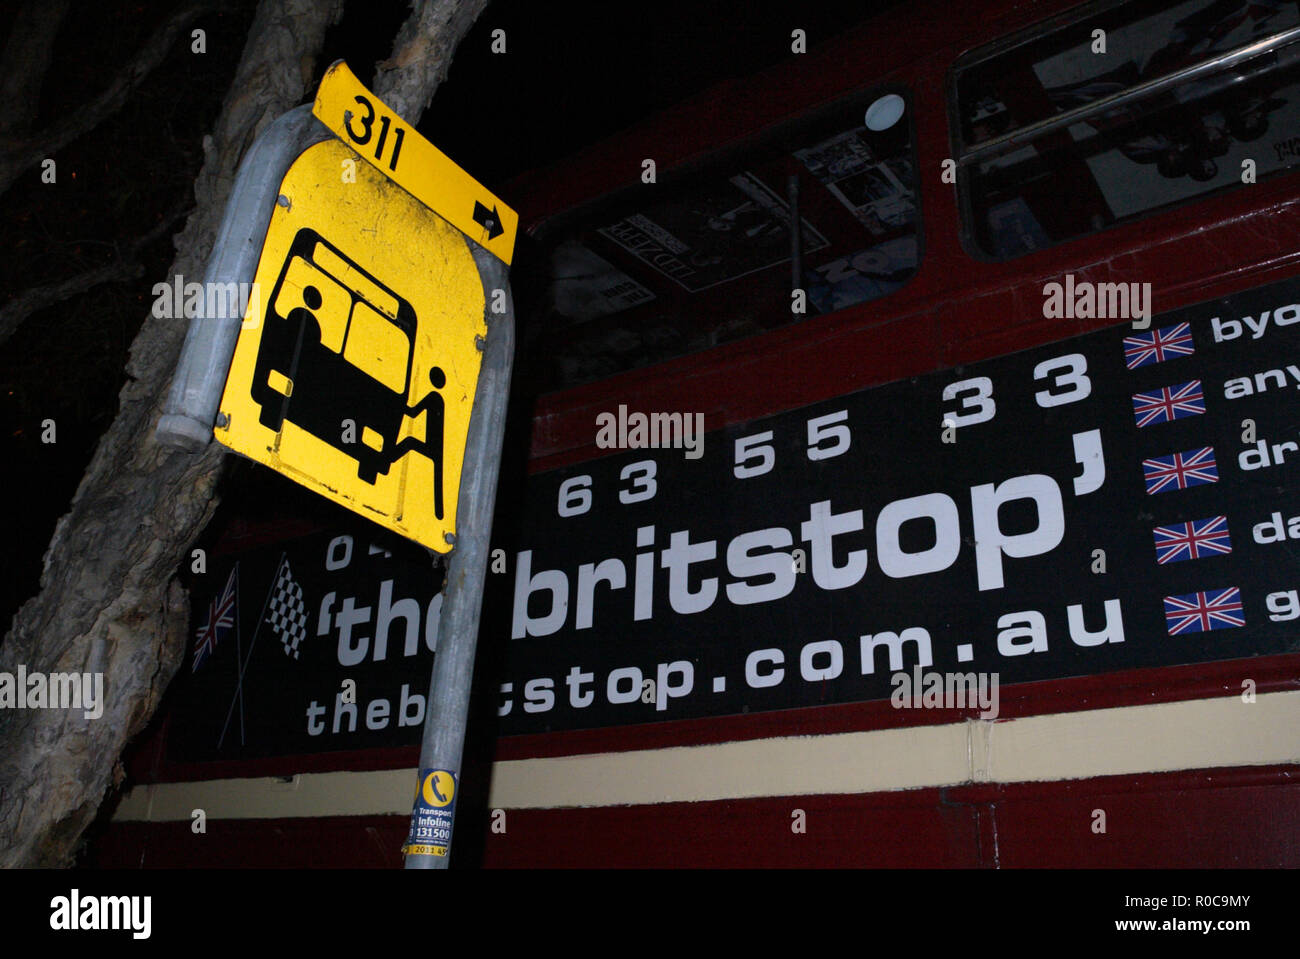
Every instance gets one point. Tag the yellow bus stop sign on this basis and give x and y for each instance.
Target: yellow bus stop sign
(379, 135)
(356, 367)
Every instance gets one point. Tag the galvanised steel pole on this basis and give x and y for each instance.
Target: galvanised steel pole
(210, 341)
(447, 709)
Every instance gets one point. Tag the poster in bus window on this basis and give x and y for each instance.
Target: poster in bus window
(713, 234)
(586, 286)
(865, 275)
(876, 190)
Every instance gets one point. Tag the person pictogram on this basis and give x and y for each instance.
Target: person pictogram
(434, 408)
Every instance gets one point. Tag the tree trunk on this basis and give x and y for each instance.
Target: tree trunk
(108, 600)
(422, 52)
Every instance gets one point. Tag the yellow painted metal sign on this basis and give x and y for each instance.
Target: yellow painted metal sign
(356, 369)
(394, 147)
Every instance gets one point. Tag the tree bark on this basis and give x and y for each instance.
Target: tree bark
(422, 53)
(108, 600)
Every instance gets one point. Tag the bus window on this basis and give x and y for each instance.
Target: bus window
(332, 310)
(709, 257)
(1105, 117)
(377, 347)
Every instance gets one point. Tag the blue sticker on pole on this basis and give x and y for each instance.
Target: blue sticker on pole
(435, 807)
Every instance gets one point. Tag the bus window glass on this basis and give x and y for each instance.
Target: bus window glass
(703, 259)
(1123, 112)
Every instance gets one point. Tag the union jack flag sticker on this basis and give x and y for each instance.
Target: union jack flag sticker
(221, 620)
(1166, 343)
(1194, 540)
(1180, 470)
(1201, 612)
(1170, 403)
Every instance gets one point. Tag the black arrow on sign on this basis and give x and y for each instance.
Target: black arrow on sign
(488, 220)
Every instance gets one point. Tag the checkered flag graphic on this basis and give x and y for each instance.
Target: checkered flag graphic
(288, 613)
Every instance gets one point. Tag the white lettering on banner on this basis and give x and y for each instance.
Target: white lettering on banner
(760, 565)
(363, 634)
(1273, 530)
(352, 623)
(378, 714)
(887, 652)
(1239, 386)
(1225, 330)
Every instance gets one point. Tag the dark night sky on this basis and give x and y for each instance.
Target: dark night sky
(579, 70)
(574, 73)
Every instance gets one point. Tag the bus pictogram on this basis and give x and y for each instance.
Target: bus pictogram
(338, 346)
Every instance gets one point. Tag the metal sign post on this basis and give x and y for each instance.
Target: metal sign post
(429, 842)
(352, 366)
(204, 363)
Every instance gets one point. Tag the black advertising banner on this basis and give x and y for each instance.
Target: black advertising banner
(1119, 500)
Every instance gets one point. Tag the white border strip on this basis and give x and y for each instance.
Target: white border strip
(1105, 742)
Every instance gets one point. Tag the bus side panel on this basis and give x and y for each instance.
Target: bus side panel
(1222, 818)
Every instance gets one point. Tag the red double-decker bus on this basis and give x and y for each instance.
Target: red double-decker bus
(911, 482)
